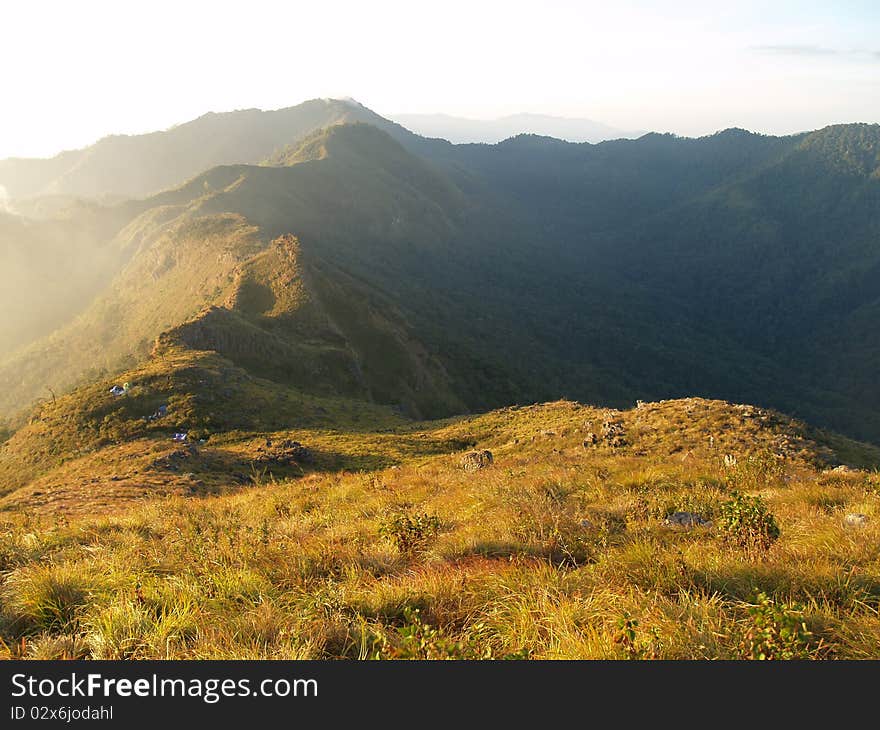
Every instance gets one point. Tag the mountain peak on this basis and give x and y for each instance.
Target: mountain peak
(140, 165)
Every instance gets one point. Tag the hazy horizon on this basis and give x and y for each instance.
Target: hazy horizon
(397, 117)
(692, 70)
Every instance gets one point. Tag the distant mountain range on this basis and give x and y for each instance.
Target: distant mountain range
(326, 249)
(133, 166)
(462, 130)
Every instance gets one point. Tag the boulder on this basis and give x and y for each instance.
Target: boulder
(843, 470)
(474, 460)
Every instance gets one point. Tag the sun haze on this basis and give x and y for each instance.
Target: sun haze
(74, 72)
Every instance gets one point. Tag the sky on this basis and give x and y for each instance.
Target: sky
(73, 72)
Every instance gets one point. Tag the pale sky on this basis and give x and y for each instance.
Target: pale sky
(73, 72)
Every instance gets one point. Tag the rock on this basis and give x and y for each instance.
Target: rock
(591, 440)
(856, 519)
(285, 453)
(686, 519)
(473, 460)
(843, 470)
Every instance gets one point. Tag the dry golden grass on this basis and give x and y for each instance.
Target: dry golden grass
(555, 551)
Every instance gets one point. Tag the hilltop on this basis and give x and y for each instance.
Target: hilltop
(356, 534)
(294, 524)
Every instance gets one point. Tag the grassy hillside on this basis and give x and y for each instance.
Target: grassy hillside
(382, 546)
(201, 394)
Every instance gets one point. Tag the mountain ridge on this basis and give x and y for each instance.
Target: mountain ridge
(577, 257)
(143, 164)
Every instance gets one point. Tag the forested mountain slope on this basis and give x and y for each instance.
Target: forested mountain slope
(464, 277)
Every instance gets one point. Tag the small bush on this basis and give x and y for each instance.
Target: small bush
(418, 640)
(748, 523)
(631, 643)
(775, 631)
(411, 533)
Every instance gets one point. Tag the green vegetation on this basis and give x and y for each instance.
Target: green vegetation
(777, 632)
(748, 523)
(411, 534)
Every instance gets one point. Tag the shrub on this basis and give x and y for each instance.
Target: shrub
(775, 631)
(418, 640)
(631, 643)
(411, 533)
(748, 523)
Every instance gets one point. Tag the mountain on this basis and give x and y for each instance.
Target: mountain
(440, 278)
(133, 166)
(286, 409)
(461, 130)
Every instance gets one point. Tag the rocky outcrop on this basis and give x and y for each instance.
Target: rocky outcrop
(284, 453)
(612, 433)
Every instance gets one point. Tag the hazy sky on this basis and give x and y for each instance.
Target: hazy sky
(75, 71)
